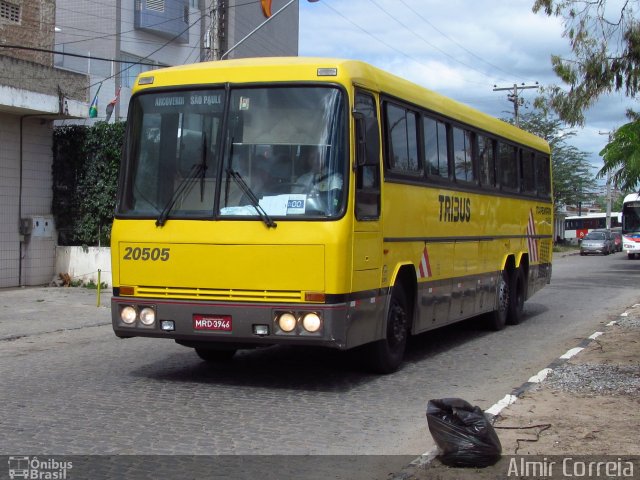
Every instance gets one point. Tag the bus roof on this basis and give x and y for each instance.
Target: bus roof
(348, 72)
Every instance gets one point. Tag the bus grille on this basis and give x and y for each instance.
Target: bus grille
(219, 294)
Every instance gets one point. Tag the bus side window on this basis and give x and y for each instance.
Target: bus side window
(527, 172)
(543, 177)
(402, 140)
(462, 148)
(487, 161)
(507, 167)
(434, 135)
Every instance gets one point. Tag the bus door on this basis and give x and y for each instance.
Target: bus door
(367, 241)
(366, 310)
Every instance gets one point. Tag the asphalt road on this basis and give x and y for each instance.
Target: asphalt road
(85, 392)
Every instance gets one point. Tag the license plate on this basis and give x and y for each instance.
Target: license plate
(215, 323)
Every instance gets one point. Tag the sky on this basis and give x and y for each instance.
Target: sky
(459, 48)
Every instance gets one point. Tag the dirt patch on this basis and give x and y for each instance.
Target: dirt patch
(588, 406)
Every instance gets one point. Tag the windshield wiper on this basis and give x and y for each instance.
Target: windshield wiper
(204, 166)
(255, 203)
(199, 169)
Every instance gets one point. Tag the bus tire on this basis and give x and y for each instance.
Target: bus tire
(386, 355)
(214, 354)
(516, 298)
(497, 319)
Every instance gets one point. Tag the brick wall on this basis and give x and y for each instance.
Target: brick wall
(35, 28)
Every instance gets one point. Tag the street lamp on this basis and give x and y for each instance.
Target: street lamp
(259, 27)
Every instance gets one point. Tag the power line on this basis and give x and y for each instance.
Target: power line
(427, 42)
(453, 39)
(78, 55)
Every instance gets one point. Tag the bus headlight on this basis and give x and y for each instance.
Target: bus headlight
(147, 316)
(287, 322)
(311, 322)
(128, 315)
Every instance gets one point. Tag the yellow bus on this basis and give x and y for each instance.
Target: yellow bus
(320, 202)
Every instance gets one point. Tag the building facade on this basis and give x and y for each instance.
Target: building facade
(58, 56)
(33, 94)
(112, 41)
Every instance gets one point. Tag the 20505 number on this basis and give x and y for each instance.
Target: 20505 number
(146, 253)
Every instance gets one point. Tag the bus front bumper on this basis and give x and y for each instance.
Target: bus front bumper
(245, 324)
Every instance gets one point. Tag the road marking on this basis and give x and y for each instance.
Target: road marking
(595, 335)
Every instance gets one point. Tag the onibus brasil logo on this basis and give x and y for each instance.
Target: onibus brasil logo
(38, 469)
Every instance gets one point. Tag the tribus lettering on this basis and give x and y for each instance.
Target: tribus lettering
(454, 209)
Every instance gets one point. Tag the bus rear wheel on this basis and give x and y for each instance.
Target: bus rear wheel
(516, 298)
(214, 354)
(386, 355)
(497, 319)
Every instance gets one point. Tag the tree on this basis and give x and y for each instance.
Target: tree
(573, 179)
(622, 156)
(606, 49)
(86, 162)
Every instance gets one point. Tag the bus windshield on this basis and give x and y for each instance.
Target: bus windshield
(631, 217)
(246, 152)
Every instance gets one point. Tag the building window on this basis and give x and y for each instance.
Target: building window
(10, 12)
(155, 5)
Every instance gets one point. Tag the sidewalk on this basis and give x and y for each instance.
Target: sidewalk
(586, 404)
(35, 310)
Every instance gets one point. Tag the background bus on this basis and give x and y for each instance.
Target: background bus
(320, 202)
(631, 225)
(576, 227)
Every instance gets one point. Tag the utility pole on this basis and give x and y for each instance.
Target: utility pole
(514, 96)
(608, 221)
(216, 32)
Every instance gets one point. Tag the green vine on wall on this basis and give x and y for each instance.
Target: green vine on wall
(86, 161)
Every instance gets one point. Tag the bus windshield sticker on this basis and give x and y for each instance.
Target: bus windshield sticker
(169, 101)
(286, 204)
(206, 99)
(296, 204)
(244, 103)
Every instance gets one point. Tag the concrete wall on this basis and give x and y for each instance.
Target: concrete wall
(25, 259)
(83, 263)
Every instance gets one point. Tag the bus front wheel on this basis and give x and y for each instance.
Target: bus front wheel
(386, 355)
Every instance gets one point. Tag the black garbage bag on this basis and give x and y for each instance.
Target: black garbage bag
(462, 433)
